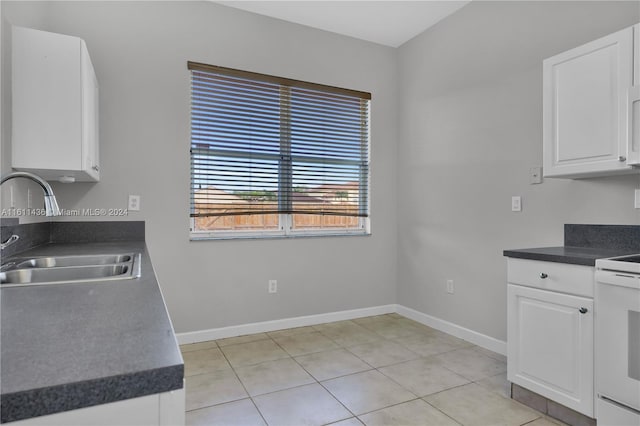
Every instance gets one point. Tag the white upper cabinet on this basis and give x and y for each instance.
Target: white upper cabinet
(634, 102)
(55, 106)
(587, 108)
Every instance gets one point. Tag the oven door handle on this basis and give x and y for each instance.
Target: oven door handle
(618, 404)
(624, 279)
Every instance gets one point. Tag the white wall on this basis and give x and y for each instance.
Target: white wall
(470, 129)
(470, 106)
(140, 52)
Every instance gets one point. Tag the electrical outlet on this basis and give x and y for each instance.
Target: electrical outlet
(134, 203)
(516, 203)
(450, 287)
(273, 286)
(535, 175)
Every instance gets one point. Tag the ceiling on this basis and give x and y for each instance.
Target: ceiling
(390, 23)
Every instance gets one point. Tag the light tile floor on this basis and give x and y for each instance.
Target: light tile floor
(381, 370)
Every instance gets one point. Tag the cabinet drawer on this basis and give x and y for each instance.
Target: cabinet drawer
(560, 277)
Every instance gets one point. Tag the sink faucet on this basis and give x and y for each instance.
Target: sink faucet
(50, 203)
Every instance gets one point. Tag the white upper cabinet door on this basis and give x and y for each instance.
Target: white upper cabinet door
(586, 108)
(90, 117)
(54, 106)
(636, 55)
(634, 103)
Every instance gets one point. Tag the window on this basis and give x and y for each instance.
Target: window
(276, 157)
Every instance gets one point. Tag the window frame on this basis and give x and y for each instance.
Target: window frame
(285, 227)
(285, 231)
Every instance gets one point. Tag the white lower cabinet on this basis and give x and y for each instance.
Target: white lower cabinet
(164, 409)
(550, 336)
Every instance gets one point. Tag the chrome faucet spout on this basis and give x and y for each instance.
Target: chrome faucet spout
(12, 239)
(50, 203)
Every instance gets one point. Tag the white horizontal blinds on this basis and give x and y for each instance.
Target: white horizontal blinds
(260, 146)
(329, 153)
(235, 145)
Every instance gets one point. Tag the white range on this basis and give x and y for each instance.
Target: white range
(617, 334)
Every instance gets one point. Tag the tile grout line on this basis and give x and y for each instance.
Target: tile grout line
(280, 390)
(531, 421)
(243, 386)
(336, 377)
(436, 408)
(497, 358)
(309, 353)
(409, 390)
(242, 343)
(327, 390)
(387, 406)
(460, 375)
(477, 382)
(434, 354)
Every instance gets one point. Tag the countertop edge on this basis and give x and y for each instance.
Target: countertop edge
(574, 260)
(45, 401)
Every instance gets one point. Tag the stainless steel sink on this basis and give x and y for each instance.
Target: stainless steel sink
(82, 260)
(69, 269)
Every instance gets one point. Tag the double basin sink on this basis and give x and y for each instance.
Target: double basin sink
(43, 270)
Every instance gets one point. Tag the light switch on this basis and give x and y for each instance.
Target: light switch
(516, 203)
(636, 201)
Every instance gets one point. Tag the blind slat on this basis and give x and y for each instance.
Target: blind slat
(244, 120)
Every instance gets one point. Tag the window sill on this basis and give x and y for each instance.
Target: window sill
(198, 236)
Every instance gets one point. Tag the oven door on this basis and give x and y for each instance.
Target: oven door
(618, 337)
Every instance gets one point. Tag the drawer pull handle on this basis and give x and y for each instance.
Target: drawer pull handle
(583, 310)
(543, 275)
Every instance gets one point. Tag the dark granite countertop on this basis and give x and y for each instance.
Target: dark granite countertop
(68, 346)
(584, 243)
(566, 254)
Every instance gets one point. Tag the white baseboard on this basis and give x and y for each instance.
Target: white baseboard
(474, 337)
(261, 327)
